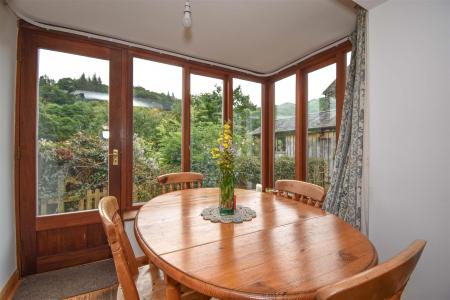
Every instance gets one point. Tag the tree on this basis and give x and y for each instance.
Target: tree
(67, 84)
(50, 92)
(207, 107)
(61, 122)
(81, 83)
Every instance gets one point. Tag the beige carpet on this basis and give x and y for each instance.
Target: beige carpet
(68, 282)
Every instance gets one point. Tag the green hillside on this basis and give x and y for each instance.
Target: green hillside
(287, 110)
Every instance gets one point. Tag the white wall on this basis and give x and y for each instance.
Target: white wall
(8, 38)
(409, 137)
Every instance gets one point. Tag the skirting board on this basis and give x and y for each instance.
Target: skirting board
(7, 292)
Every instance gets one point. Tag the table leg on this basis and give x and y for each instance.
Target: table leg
(172, 289)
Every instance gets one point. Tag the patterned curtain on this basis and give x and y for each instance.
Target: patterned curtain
(345, 192)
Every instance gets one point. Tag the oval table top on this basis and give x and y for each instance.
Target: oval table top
(287, 252)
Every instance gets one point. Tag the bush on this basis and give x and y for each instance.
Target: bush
(66, 170)
(248, 171)
(318, 172)
(146, 168)
(284, 167)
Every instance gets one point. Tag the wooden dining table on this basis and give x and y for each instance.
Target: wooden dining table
(288, 251)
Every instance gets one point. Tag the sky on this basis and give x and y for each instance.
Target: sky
(57, 65)
(165, 78)
(319, 80)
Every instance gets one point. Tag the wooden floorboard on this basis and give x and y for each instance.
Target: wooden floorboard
(103, 294)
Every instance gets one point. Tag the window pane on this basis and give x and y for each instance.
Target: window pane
(284, 142)
(206, 123)
(72, 144)
(156, 125)
(247, 132)
(321, 125)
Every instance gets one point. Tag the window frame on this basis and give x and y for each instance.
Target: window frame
(335, 55)
(121, 68)
(263, 110)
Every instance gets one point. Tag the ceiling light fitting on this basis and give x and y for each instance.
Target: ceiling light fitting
(187, 17)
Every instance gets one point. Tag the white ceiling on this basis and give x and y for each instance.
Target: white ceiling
(257, 35)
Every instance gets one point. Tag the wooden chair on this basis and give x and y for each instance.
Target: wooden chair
(385, 281)
(180, 181)
(305, 192)
(135, 282)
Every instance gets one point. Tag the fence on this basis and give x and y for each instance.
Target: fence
(73, 203)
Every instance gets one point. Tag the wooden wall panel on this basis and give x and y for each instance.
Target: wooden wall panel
(72, 239)
(62, 247)
(47, 242)
(95, 236)
(73, 258)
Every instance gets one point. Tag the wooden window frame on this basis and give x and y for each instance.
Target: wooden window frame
(30, 35)
(336, 55)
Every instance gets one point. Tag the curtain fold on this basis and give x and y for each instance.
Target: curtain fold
(344, 197)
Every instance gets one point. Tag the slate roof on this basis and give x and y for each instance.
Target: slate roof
(330, 91)
(317, 120)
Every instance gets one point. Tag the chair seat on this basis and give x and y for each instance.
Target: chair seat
(150, 285)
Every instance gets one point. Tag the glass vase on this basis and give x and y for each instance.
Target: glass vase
(226, 200)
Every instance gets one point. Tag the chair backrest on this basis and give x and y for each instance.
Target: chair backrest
(305, 192)
(180, 181)
(385, 281)
(124, 259)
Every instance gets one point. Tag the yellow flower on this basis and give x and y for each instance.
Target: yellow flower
(222, 154)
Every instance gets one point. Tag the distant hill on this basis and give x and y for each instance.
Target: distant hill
(149, 97)
(314, 105)
(287, 110)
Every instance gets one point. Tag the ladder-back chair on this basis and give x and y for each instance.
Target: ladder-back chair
(180, 181)
(305, 192)
(135, 283)
(385, 281)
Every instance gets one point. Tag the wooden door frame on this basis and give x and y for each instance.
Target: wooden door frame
(29, 223)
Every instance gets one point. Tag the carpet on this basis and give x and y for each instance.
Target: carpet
(68, 282)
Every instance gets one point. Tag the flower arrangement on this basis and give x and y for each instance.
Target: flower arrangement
(224, 155)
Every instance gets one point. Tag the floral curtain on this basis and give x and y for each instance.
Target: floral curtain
(344, 197)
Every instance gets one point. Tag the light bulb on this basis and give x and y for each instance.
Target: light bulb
(187, 21)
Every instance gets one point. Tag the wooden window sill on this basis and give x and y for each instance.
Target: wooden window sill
(130, 215)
